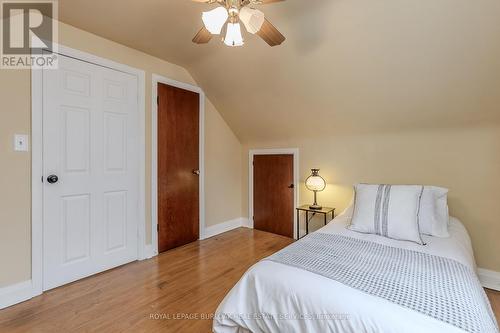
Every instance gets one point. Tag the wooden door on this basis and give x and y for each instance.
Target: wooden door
(273, 192)
(178, 167)
(91, 170)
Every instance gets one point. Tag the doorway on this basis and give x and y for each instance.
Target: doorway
(273, 190)
(178, 200)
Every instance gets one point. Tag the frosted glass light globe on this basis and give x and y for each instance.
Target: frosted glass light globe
(315, 182)
(215, 19)
(233, 35)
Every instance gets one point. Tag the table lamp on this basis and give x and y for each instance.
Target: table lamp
(315, 183)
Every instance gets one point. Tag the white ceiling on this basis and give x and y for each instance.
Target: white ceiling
(346, 66)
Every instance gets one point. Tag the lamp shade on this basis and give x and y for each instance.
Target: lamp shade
(233, 35)
(215, 19)
(253, 19)
(315, 182)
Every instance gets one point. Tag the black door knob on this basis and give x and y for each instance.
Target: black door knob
(291, 186)
(52, 179)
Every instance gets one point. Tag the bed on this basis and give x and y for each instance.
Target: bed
(276, 297)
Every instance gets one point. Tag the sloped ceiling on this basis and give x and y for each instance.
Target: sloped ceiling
(346, 66)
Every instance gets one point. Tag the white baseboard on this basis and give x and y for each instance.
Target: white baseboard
(489, 279)
(245, 222)
(148, 252)
(15, 293)
(225, 226)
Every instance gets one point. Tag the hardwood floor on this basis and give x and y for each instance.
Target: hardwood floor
(142, 296)
(494, 297)
(192, 279)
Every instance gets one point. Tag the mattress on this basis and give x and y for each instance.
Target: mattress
(273, 297)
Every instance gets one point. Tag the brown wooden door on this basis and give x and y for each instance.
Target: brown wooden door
(273, 194)
(178, 162)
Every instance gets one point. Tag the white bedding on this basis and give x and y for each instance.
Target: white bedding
(288, 299)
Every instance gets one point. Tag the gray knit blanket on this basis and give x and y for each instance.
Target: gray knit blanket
(438, 287)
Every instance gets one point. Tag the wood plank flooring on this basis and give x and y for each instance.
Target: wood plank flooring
(192, 279)
(153, 295)
(494, 297)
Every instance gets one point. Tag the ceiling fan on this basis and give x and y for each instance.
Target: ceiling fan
(226, 19)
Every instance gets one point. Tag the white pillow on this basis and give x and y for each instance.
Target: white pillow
(349, 210)
(434, 216)
(434, 213)
(388, 210)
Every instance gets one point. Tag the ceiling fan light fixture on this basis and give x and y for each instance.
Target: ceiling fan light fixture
(226, 20)
(253, 19)
(215, 19)
(233, 35)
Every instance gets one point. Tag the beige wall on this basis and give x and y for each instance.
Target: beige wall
(15, 197)
(222, 157)
(467, 161)
(223, 170)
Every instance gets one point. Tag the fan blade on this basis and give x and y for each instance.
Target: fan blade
(203, 36)
(270, 34)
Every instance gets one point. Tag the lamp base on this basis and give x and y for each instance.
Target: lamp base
(316, 207)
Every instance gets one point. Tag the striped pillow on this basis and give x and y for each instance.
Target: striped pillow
(388, 210)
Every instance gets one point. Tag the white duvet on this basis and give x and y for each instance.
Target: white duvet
(272, 297)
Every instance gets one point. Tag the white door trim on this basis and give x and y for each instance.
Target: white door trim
(154, 152)
(37, 158)
(278, 151)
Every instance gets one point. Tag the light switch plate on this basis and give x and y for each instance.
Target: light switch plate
(21, 142)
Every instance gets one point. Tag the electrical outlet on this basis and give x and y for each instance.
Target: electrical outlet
(21, 142)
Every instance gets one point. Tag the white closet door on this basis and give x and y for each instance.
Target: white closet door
(90, 142)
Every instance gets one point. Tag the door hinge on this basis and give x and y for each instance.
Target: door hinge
(158, 227)
(42, 179)
(157, 100)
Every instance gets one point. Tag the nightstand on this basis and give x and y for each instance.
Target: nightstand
(305, 208)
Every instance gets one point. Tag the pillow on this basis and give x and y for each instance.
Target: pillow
(349, 210)
(434, 216)
(388, 210)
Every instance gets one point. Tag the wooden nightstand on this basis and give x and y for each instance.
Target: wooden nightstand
(305, 208)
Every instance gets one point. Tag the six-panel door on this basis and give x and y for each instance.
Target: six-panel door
(90, 142)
